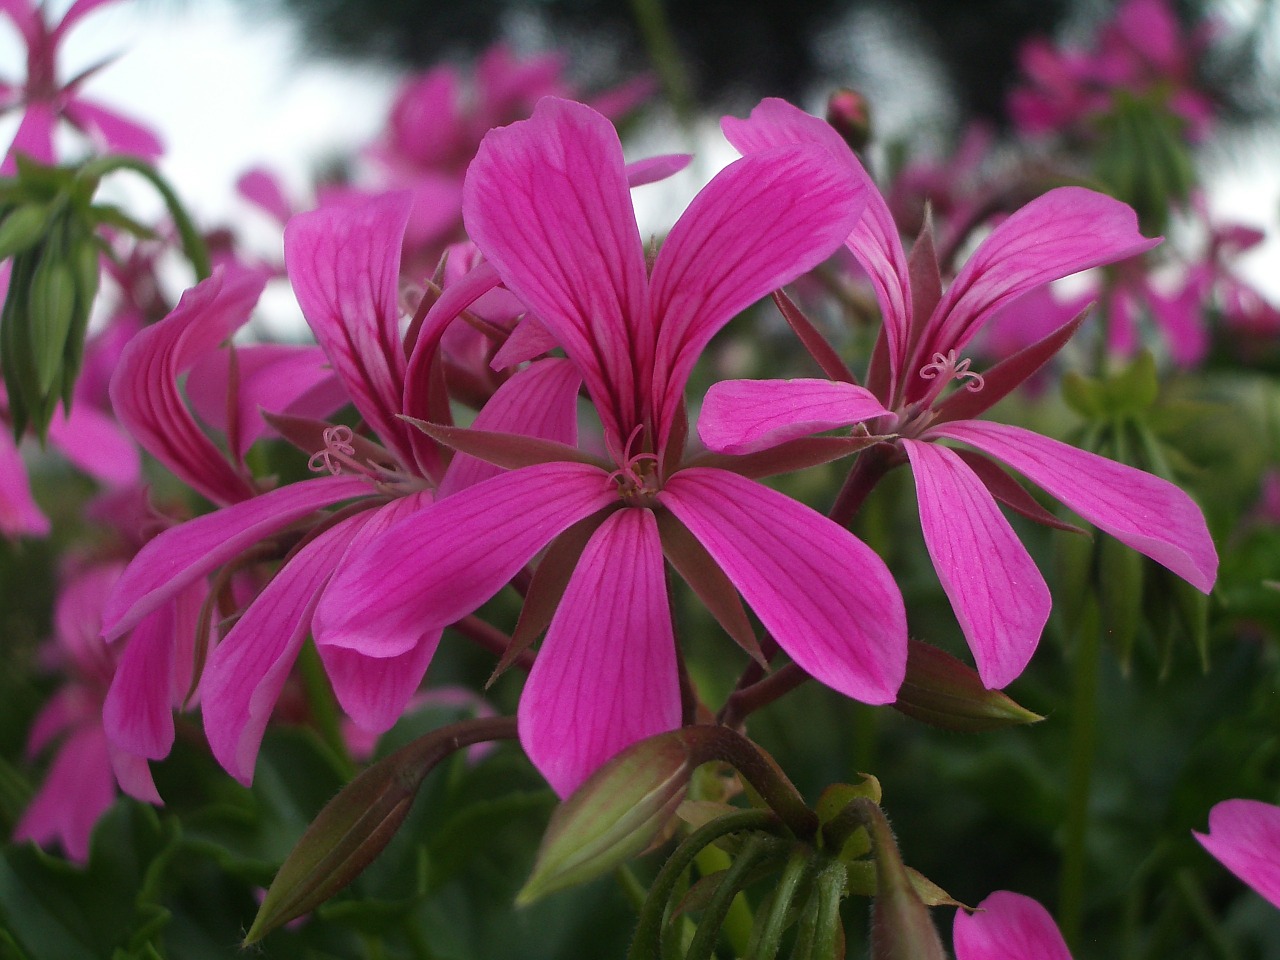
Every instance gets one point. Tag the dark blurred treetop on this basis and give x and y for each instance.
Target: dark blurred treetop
(745, 48)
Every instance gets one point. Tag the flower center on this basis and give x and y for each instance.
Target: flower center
(637, 477)
(946, 368)
(339, 456)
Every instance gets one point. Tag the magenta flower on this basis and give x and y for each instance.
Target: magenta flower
(546, 201)
(1245, 837)
(1008, 926)
(997, 593)
(45, 100)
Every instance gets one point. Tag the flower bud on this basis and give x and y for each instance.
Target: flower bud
(943, 692)
(850, 113)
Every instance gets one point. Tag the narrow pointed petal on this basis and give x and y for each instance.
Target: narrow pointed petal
(1245, 837)
(528, 341)
(248, 669)
(874, 239)
(1008, 926)
(605, 676)
(133, 774)
(539, 401)
(546, 200)
(826, 597)
(718, 260)
(145, 392)
(77, 791)
(745, 416)
(374, 691)
(1060, 233)
(443, 562)
(112, 131)
(183, 554)
(344, 263)
(1151, 515)
(34, 138)
(997, 593)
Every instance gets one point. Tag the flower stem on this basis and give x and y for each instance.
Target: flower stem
(665, 56)
(1084, 723)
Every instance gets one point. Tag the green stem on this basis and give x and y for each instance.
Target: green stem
(665, 55)
(774, 923)
(1084, 731)
(830, 886)
(738, 922)
(755, 849)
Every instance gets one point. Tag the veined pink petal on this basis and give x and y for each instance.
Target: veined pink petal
(77, 791)
(19, 515)
(1245, 837)
(344, 264)
(605, 676)
(34, 138)
(374, 691)
(247, 670)
(874, 238)
(145, 392)
(138, 711)
(744, 416)
(1008, 926)
(133, 774)
(183, 554)
(529, 340)
(97, 444)
(444, 561)
(997, 593)
(539, 401)
(826, 597)
(1060, 233)
(112, 131)
(1149, 514)
(719, 259)
(546, 200)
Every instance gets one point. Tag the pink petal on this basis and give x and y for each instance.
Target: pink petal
(133, 774)
(443, 562)
(77, 791)
(75, 13)
(113, 132)
(528, 341)
(1008, 926)
(720, 257)
(605, 676)
(873, 240)
(183, 554)
(374, 691)
(67, 708)
(145, 392)
(138, 711)
(97, 444)
(826, 597)
(247, 670)
(745, 416)
(654, 169)
(539, 401)
(997, 593)
(546, 200)
(1060, 233)
(1149, 514)
(262, 188)
(34, 138)
(344, 264)
(19, 515)
(1245, 837)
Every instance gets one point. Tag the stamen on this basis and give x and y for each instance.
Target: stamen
(634, 483)
(948, 367)
(338, 452)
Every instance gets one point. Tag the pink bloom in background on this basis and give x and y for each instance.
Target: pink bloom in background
(45, 100)
(1008, 926)
(547, 203)
(1245, 837)
(998, 595)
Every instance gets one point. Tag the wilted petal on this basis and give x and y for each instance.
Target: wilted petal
(112, 131)
(744, 416)
(539, 401)
(605, 677)
(546, 200)
(76, 792)
(1008, 926)
(344, 264)
(444, 561)
(145, 392)
(826, 597)
(247, 670)
(185, 553)
(1149, 514)
(1060, 233)
(1245, 837)
(997, 593)
(720, 257)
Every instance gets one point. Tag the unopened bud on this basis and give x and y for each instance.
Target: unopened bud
(943, 692)
(850, 113)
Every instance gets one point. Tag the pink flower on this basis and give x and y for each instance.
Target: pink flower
(1008, 926)
(45, 99)
(998, 595)
(546, 202)
(1245, 837)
